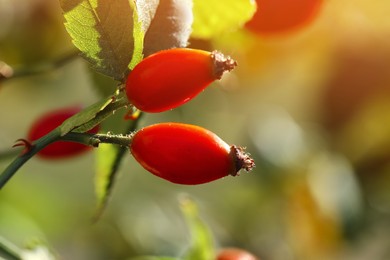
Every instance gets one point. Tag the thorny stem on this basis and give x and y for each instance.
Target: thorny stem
(84, 138)
(24, 157)
(57, 134)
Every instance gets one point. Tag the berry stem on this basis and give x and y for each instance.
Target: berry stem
(95, 139)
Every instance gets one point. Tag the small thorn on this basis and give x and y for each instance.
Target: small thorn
(24, 143)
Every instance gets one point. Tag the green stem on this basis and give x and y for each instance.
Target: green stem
(24, 157)
(77, 126)
(84, 138)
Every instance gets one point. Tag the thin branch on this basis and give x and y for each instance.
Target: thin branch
(40, 68)
(84, 138)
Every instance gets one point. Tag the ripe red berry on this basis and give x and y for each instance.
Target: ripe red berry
(235, 254)
(186, 154)
(170, 78)
(280, 16)
(50, 121)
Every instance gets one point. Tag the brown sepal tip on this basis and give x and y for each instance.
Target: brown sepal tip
(242, 159)
(222, 63)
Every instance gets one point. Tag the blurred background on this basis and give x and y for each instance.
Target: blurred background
(310, 103)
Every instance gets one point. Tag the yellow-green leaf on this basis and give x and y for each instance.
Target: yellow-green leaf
(109, 158)
(213, 17)
(105, 159)
(138, 35)
(105, 31)
(202, 244)
(84, 117)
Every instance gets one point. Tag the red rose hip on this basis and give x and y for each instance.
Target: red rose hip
(235, 254)
(49, 122)
(282, 16)
(186, 154)
(170, 78)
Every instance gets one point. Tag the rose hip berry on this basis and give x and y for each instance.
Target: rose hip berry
(187, 154)
(170, 78)
(281, 16)
(49, 122)
(235, 254)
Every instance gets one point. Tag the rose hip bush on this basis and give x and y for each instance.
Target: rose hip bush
(149, 49)
(168, 77)
(142, 45)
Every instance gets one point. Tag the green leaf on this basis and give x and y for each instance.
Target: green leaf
(138, 36)
(109, 33)
(214, 17)
(105, 159)
(85, 117)
(109, 158)
(202, 247)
